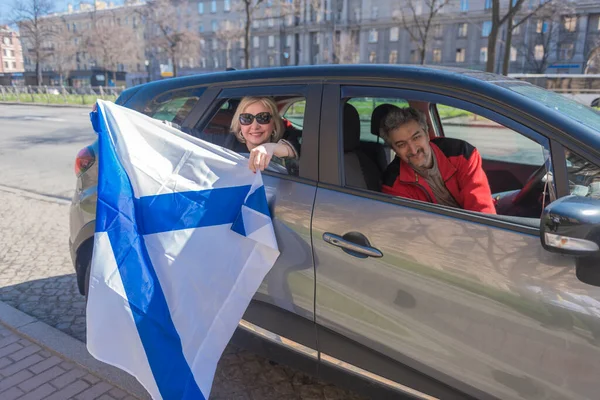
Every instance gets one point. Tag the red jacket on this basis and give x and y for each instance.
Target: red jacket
(460, 167)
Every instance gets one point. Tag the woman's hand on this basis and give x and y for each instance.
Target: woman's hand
(260, 156)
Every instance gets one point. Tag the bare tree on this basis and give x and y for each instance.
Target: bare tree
(419, 21)
(498, 21)
(228, 35)
(537, 52)
(555, 5)
(28, 15)
(64, 51)
(171, 30)
(112, 42)
(249, 7)
(593, 60)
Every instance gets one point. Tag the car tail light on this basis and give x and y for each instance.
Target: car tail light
(85, 159)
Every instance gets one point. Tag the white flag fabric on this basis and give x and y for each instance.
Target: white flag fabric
(183, 240)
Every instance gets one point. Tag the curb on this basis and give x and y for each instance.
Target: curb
(68, 348)
(24, 103)
(36, 195)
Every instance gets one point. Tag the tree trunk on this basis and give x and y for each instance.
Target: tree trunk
(247, 36)
(506, 62)
(490, 67)
(115, 77)
(173, 61)
(422, 51)
(38, 72)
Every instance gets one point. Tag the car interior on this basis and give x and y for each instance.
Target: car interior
(519, 189)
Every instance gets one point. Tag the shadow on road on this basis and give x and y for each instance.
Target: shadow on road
(59, 137)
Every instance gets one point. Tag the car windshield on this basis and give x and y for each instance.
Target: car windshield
(570, 108)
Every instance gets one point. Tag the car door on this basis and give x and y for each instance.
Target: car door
(436, 301)
(283, 308)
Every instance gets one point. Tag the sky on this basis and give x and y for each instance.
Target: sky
(6, 6)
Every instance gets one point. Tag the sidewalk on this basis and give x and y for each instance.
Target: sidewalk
(41, 362)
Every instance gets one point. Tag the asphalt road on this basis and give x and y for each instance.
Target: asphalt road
(38, 145)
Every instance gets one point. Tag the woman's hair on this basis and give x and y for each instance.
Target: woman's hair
(269, 103)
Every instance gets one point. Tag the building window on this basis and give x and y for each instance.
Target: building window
(256, 42)
(437, 31)
(516, 29)
(373, 57)
(539, 52)
(483, 54)
(6, 64)
(486, 28)
(464, 5)
(216, 62)
(203, 62)
(213, 6)
(357, 14)
(227, 5)
(598, 27)
(513, 54)
(542, 26)
(201, 28)
(437, 55)
(566, 51)
(256, 24)
(373, 36)
(214, 25)
(271, 41)
(375, 13)
(256, 61)
(271, 61)
(215, 44)
(288, 40)
(271, 22)
(463, 29)
(414, 56)
(393, 57)
(394, 34)
(488, 4)
(570, 24)
(460, 55)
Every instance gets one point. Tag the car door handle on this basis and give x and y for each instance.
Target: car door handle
(353, 243)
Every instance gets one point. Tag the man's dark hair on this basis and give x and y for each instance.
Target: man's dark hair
(398, 117)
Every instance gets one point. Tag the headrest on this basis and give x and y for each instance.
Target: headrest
(378, 115)
(351, 128)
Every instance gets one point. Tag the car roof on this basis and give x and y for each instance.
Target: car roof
(459, 80)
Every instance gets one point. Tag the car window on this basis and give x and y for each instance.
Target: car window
(517, 168)
(584, 176)
(175, 110)
(218, 131)
(365, 107)
(493, 140)
(558, 103)
(295, 113)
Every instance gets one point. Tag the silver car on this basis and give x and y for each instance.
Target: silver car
(396, 297)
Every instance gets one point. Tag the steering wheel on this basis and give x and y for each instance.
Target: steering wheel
(534, 183)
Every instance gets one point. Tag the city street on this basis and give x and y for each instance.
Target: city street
(38, 145)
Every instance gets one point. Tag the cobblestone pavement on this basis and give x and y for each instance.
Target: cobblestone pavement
(29, 372)
(37, 277)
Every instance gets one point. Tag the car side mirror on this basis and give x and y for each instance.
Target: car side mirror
(571, 225)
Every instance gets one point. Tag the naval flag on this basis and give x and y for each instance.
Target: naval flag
(183, 240)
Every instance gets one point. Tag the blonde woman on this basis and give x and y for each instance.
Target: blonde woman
(257, 124)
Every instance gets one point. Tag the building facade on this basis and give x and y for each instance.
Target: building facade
(11, 54)
(302, 32)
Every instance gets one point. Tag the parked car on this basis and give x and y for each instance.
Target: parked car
(398, 297)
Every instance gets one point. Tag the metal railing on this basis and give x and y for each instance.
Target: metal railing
(59, 94)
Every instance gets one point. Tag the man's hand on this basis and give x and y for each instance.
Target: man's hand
(260, 156)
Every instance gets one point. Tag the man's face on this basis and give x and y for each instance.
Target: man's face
(411, 144)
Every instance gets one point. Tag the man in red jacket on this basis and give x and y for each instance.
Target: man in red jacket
(442, 170)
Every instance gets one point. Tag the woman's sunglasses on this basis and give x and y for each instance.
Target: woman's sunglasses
(262, 118)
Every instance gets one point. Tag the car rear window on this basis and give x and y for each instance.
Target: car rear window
(174, 106)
